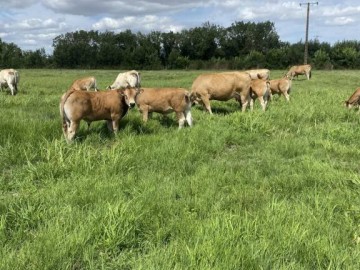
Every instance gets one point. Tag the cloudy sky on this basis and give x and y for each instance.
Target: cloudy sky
(33, 24)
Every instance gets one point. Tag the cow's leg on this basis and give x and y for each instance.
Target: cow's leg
(252, 104)
(181, 119)
(12, 89)
(145, 114)
(263, 103)
(109, 125)
(188, 117)
(115, 123)
(72, 130)
(244, 101)
(287, 96)
(206, 103)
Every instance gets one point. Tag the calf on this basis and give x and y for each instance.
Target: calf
(9, 78)
(86, 83)
(263, 74)
(299, 70)
(354, 100)
(259, 89)
(126, 79)
(281, 86)
(165, 100)
(221, 86)
(92, 106)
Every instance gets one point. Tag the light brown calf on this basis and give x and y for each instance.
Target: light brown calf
(83, 84)
(299, 70)
(92, 106)
(221, 86)
(164, 101)
(263, 74)
(354, 100)
(281, 87)
(259, 89)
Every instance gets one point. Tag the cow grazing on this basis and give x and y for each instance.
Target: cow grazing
(354, 100)
(9, 78)
(221, 86)
(263, 74)
(84, 84)
(259, 89)
(165, 100)
(281, 87)
(299, 70)
(92, 106)
(127, 79)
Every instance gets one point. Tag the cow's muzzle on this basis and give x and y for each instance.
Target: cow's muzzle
(132, 104)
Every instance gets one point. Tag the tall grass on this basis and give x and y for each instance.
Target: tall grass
(254, 190)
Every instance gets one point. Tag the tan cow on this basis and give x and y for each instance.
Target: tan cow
(259, 89)
(221, 86)
(9, 78)
(299, 70)
(354, 100)
(127, 79)
(92, 106)
(164, 101)
(281, 87)
(84, 84)
(263, 74)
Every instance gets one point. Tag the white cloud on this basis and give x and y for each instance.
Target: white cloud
(148, 23)
(340, 21)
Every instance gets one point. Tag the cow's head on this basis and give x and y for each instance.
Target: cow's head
(129, 95)
(195, 98)
(347, 104)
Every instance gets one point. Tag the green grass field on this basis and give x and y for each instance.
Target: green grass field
(253, 190)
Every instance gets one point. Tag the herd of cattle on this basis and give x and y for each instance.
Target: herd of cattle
(78, 103)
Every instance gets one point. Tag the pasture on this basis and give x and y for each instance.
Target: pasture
(253, 190)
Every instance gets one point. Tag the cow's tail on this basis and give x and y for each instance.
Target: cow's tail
(63, 115)
(310, 74)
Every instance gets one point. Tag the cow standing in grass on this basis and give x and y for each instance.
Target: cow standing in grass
(281, 87)
(221, 86)
(164, 101)
(9, 78)
(92, 106)
(127, 79)
(259, 89)
(299, 70)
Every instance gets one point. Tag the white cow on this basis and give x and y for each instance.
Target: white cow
(126, 79)
(9, 78)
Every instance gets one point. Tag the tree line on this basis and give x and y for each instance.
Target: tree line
(242, 45)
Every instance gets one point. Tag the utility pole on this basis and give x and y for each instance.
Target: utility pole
(307, 28)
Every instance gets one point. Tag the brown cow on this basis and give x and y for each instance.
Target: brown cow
(86, 83)
(221, 86)
(354, 100)
(281, 86)
(92, 106)
(165, 100)
(263, 74)
(259, 89)
(299, 70)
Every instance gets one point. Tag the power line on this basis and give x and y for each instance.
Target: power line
(307, 28)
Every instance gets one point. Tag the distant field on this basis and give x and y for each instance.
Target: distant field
(253, 190)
